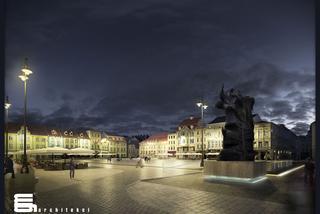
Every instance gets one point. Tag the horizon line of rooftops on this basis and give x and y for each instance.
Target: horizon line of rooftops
(191, 122)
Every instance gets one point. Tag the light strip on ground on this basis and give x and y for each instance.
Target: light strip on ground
(286, 172)
(235, 179)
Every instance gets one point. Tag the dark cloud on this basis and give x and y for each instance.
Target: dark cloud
(34, 116)
(63, 111)
(300, 128)
(66, 97)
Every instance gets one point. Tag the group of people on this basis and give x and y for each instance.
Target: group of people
(9, 167)
(147, 159)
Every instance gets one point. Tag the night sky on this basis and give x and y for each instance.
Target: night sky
(135, 67)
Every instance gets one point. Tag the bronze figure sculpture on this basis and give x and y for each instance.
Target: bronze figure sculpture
(238, 133)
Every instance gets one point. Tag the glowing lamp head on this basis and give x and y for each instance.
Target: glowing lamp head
(23, 78)
(26, 71)
(199, 104)
(7, 105)
(205, 106)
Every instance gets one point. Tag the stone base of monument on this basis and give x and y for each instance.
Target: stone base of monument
(245, 171)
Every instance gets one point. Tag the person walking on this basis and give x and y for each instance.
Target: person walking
(72, 168)
(9, 166)
(140, 162)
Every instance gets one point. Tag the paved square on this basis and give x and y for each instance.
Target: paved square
(174, 188)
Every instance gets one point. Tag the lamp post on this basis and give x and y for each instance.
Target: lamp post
(7, 106)
(202, 106)
(24, 77)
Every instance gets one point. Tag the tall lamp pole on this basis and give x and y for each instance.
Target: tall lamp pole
(202, 106)
(26, 71)
(7, 106)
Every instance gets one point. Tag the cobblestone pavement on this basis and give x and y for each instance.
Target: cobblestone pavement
(103, 190)
(182, 200)
(286, 194)
(106, 188)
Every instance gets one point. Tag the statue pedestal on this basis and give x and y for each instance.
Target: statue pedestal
(237, 170)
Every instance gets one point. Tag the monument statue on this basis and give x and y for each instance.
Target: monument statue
(238, 131)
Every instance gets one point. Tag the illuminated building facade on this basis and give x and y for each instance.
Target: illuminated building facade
(113, 145)
(173, 143)
(271, 141)
(39, 137)
(154, 146)
(95, 138)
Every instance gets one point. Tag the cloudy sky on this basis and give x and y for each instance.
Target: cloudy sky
(134, 67)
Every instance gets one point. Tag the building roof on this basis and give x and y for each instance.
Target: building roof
(74, 133)
(48, 131)
(14, 127)
(191, 121)
(37, 130)
(157, 137)
(33, 129)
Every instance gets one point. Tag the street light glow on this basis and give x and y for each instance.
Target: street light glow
(205, 106)
(23, 78)
(7, 105)
(199, 104)
(26, 71)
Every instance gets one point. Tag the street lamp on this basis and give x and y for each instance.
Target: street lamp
(203, 107)
(26, 71)
(7, 106)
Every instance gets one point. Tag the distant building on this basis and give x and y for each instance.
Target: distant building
(95, 137)
(271, 141)
(40, 136)
(155, 146)
(73, 139)
(188, 138)
(113, 145)
(172, 144)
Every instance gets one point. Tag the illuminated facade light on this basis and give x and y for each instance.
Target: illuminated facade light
(235, 179)
(287, 172)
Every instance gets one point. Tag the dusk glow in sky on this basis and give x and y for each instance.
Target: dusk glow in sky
(134, 67)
